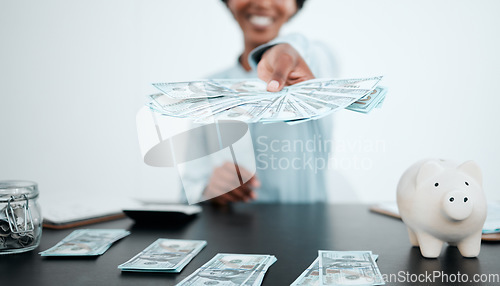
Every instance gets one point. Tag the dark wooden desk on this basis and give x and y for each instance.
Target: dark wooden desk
(293, 233)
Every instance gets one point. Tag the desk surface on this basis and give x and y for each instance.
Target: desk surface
(293, 233)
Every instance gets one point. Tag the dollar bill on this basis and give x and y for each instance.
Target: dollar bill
(249, 101)
(248, 112)
(310, 276)
(231, 270)
(164, 255)
(86, 242)
(348, 268)
(211, 88)
(258, 275)
(355, 83)
(372, 100)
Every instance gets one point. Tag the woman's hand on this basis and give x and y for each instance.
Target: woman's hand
(282, 65)
(222, 180)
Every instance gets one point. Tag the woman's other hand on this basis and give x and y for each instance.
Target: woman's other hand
(282, 65)
(222, 180)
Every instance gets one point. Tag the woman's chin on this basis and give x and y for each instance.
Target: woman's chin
(261, 36)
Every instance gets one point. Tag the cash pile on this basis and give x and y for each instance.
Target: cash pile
(27, 233)
(86, 242)
(231, 269)
(342, 268)
(248, 101)
(164, 255)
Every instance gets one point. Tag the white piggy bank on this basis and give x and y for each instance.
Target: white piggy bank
(440, 201)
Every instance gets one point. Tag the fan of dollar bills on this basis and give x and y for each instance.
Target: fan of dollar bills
(248, 101)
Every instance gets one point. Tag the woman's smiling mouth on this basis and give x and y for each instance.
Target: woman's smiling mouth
(261, 21)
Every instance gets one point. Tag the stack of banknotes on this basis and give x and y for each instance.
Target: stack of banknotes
(231, 269)
(86, 242)
(247, 100)
(342, 268)
(164, 255)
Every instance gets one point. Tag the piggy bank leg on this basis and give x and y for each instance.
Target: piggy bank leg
(413, 237)
(470, 246)
(430, 247)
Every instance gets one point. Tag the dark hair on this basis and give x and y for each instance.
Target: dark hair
(300, 3)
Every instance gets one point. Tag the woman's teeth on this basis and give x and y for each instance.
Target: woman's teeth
(261, 20)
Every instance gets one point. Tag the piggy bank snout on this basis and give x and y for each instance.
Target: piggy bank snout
(457, 205)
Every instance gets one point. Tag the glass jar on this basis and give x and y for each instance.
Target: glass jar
(20, 217)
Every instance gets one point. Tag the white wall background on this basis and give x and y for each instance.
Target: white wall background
(74, 73)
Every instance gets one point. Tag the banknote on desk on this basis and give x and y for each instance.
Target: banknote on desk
(231, 270)
(164, 255)
(348, 268)
(86, 242)
(310, 276)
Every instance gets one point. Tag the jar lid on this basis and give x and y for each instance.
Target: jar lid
(18, 189)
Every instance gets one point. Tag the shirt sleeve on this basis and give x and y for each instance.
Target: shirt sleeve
(297, 41)
(317, 55)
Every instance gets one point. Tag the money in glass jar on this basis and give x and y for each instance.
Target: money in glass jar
(20, 217)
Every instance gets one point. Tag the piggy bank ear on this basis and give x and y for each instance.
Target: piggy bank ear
(472, 169)
(429, 169)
